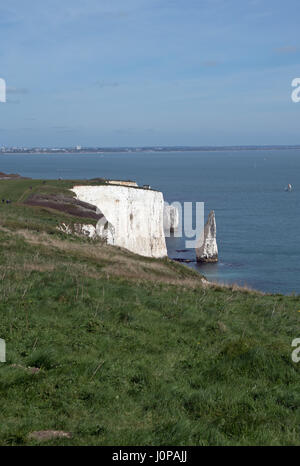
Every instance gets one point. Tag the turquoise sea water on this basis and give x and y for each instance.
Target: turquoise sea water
(258, 223)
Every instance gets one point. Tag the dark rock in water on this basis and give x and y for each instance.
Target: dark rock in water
(179, 259)
(181, 250)
(207, 249)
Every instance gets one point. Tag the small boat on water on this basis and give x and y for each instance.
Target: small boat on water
(289, 188)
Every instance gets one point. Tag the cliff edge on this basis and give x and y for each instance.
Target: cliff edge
(133, 217)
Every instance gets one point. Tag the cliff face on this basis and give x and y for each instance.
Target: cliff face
(133, 218)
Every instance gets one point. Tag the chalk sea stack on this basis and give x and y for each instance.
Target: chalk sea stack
(171, 218)
(207, 249)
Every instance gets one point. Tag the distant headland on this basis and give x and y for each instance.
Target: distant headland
(100, 150)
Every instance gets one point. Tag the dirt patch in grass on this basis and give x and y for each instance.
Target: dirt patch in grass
(49, 434)
(31, 370)
(64, 203)
(38, 267)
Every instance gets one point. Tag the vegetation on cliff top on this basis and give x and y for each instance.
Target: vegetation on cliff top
(134, 351)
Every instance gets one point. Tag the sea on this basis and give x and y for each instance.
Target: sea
(258, 222)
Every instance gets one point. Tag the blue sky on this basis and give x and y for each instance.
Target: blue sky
(157, 72)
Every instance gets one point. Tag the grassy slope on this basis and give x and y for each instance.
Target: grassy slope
(133, 350)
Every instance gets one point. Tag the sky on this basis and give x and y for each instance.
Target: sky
(149, 72)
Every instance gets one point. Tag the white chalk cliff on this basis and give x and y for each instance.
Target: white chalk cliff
(207, 248)
(133, 218)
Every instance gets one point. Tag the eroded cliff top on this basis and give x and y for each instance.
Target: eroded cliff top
(11, 176)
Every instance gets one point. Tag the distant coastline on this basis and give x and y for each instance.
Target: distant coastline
(102, 150)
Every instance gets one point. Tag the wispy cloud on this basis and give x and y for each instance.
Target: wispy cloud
(102, 84)
(210, 63)
(287, 50)
(12, 101)
(15, 90)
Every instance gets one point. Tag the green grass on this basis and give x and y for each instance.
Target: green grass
(135, 351)
(19, 215)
